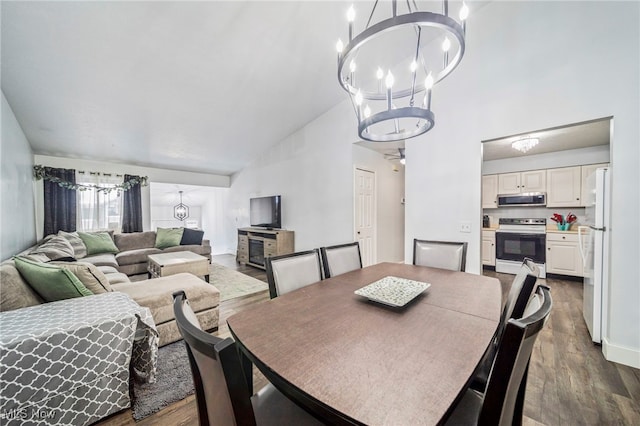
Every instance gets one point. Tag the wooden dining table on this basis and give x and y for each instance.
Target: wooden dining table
(349, 360)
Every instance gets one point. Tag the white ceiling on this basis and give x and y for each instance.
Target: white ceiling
(200, 86)
(574, 136)
(166, 194)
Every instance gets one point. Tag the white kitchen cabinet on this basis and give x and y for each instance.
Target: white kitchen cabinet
(585, 172)
(489, 191)
(563, 254)
(489, 247)
(564, 187)
(520, 182)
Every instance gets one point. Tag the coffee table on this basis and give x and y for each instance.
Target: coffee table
(161, 265)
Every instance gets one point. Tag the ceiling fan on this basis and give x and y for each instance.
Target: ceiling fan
(398, 156)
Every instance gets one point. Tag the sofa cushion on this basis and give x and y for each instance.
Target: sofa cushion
(88, 274)
(135, 240)
(117, 278)
(104, 259)
(15, 293)
(55, 248)
(98, 242)
(156, 294)
(107, 269)
(131, 257)
(79, 249)
(168, 237)
(52, 283)
(191, 237)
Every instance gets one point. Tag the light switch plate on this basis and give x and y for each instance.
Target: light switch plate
(465, 226)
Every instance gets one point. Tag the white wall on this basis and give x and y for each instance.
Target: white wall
(154, 175)
(313, 171)
(537, 65)
(17, 212)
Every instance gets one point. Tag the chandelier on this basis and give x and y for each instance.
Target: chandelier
(181, 211)
(390, 68)
(525, 144)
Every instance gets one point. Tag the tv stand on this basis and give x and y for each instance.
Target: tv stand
(256, 244)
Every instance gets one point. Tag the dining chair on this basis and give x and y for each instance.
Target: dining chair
(340, 259)
(520, 293)
(223, 396)
(440, 254)
(503, 401)
(292, 271)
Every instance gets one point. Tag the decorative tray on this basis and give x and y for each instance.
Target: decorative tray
(393, 291)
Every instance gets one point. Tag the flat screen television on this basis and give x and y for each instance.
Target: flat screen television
(265, 212)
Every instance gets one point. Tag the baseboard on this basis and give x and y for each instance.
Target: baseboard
(621, 354)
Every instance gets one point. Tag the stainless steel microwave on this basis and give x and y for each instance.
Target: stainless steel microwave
(524, 199)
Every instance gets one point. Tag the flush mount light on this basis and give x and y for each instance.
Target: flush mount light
(525, 144)
(390, 68)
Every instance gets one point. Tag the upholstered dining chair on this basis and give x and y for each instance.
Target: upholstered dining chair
(223, 396)
(503, 400)
(522, 289)
(292, 271)
(340, 259)
(440, 254)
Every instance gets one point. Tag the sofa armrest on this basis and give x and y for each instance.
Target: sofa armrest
(206, 243)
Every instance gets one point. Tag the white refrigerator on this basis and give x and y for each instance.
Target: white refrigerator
(593, 239)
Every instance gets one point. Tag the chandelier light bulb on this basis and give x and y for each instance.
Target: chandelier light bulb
(351, 14)
(464, 12)
(352, 66)
(446, 44)
(359, 98)
(367, 111)
(428, 82)
(339, 46)
(403, 161)
(379, 73)
(389, 80)
(414, 66)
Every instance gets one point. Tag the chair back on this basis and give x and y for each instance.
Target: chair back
(522, 288)
(340, 259)
(504, 397)
(292, 271)
(440, 254)
(222, 394)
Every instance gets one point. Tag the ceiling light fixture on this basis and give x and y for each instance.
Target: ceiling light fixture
(423, 48)
(525, 144)
(181, 211)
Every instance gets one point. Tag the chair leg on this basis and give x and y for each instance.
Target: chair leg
(518, 409)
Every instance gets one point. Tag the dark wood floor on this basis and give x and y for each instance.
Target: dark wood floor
(569, 382)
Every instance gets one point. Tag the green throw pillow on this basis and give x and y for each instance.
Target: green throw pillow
(168, 237)
(50, 282)
(98, 242)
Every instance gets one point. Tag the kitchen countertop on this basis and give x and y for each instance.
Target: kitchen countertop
(554, 230)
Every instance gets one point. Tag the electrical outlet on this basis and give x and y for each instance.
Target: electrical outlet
(465, 226)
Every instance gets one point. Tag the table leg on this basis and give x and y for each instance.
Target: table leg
(149, 275)
(206, 278)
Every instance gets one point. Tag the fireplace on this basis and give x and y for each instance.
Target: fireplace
(256, 251)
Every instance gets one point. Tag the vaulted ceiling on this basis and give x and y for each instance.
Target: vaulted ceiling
(199, 86)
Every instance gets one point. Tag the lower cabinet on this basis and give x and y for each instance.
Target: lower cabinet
(563, 254)
(489, 248)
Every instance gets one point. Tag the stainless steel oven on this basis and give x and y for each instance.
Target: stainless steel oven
(517, 239)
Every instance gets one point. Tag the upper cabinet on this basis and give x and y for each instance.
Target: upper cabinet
(564, 187)
(586, 171)
(515, 183)
(489, 191)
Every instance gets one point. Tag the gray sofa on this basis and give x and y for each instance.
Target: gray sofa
(134, 249)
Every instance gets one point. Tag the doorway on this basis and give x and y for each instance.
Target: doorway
(365, 214)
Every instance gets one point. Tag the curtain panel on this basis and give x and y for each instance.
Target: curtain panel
(132, 207)
(59, 202)
(99, 210)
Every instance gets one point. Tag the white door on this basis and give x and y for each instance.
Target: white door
(365, 212)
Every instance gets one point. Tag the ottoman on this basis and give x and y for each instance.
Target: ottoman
(157, 295)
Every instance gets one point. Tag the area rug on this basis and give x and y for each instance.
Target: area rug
(232, 284)
(173, 382)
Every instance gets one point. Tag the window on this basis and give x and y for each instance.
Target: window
(99, 210)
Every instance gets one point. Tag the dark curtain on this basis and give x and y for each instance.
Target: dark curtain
(132, 207)
(59, 202)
